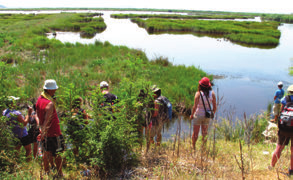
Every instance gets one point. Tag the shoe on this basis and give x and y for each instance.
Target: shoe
(270, 167)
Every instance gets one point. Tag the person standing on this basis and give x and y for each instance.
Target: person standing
(18, 123)
(204, 98)
(277, 101)
(51, 136)
(285, 134)
(34, 130)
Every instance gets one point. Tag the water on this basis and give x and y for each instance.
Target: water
(250, 74)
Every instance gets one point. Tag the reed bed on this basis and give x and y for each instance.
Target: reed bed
(262, 33)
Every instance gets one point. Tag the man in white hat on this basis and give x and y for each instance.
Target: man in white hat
(110, 99)
(277, 101)
(51, 136)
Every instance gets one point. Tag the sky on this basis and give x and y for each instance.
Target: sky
(267, 6)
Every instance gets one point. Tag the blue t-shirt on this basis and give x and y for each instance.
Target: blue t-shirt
(279, 94)
(17, 128)
(283, 100)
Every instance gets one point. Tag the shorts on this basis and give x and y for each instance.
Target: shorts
(33, 134)
(25, 140)
(201, 120)
(54, 144)
(276, 109)
(283, 140)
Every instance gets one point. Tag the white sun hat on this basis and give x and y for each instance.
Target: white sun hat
(50, 84)
(104, 84)
(280, 83)
(13, 98)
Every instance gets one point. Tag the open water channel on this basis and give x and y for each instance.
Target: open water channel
(249, 75)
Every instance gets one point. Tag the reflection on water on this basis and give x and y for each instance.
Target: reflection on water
(251, 74)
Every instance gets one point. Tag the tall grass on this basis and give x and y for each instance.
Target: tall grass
(255, 33)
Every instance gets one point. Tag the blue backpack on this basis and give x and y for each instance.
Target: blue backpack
(167, 106)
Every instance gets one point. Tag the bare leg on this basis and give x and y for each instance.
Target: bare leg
(28, 151)
(277, 154)
(46, 157)
(196, 129)
(58, 161)
(291, 161)
(204, 129)
(35, 149)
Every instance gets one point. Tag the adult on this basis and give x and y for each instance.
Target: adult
(51, 136)
(18, 123)
(155, 125)
(77, 123)
(204, 103)
(34, 130)
(277, 101)
(284, 135)
(109, 98)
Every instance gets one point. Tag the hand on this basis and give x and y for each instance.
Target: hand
(191, 116)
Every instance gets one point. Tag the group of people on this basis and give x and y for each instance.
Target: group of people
(44, 121)
(45, 124)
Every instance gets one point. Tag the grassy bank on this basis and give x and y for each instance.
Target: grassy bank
(221, 158)
(177, 16)
(253, 33)
(28, 52)
(284, 18)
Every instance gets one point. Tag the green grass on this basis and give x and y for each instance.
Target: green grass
(177, 16)
(253, 33)
(84, 65)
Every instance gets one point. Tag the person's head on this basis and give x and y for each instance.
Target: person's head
(11, 101)
(104, 86)
(77, 103)
(290, 90)
(50, 87)
(204, 85)
(280, 85)
(156, 91)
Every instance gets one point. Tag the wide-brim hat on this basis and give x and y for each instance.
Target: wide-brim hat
(50, 84)
(205, 82)
(104, 84)
(155, 88)
(13, 98)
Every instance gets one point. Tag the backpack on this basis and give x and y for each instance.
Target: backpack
(286, 116)
(109, 101)
(167, 106)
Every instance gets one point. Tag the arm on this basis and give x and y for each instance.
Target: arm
(196, 101)
(214, 102)
(47, 122)
(275, 97)
(24, 121)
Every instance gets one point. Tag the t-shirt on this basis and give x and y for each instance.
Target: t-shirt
(17, 128)
(279, 94)
(283, 100)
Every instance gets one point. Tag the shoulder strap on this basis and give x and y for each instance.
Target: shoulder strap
(209, 103)
(203, 102)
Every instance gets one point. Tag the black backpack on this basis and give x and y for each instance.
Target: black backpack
(109, 101)
(166, 107)
(286, 116)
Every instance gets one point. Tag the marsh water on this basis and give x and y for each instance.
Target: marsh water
(248, 75)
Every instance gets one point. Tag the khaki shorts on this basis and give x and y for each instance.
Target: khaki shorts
(201, 120)
(276, 109)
